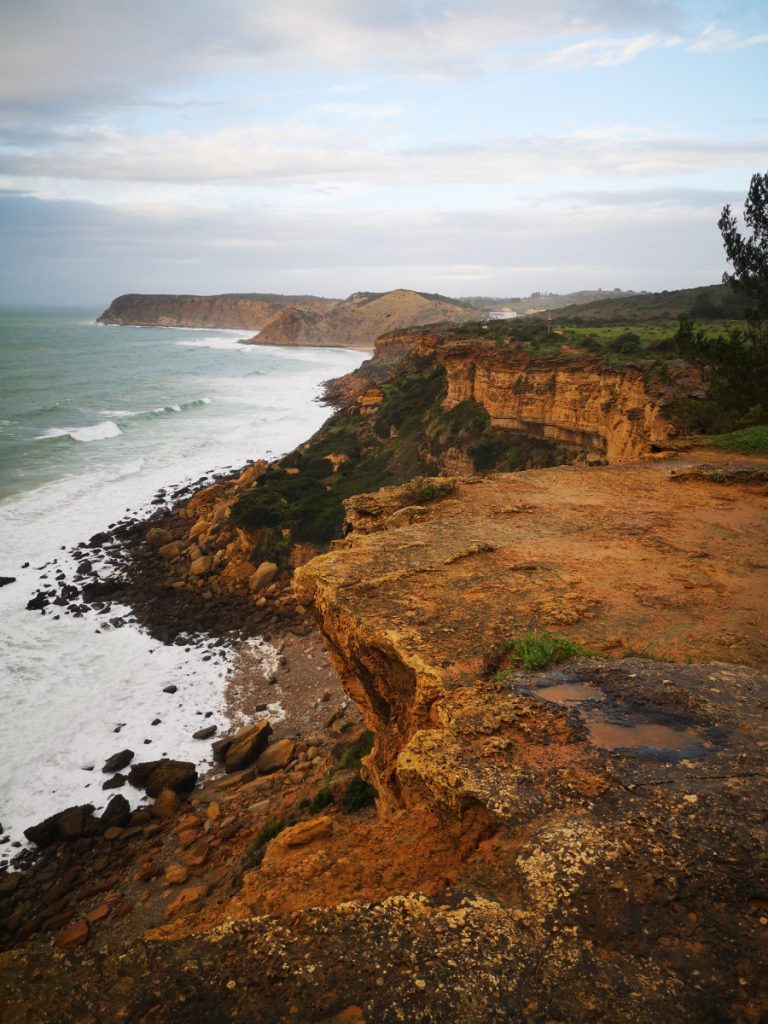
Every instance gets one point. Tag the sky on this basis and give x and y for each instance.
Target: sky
(332, 146)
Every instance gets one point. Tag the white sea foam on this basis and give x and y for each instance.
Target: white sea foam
(233, 344)
(98, 432)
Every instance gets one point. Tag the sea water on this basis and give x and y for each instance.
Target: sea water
(93, 421)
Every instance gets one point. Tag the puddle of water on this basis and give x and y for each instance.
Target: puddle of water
(570, 693)
(642, 734)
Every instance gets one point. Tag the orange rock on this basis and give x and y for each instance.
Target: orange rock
(214, 811)
(185, 899)
(166, 805)
(176, 874)
(278, 755)
(197, 855)
(73, 935)
(98, 913)
(187, 836)
(305, 832)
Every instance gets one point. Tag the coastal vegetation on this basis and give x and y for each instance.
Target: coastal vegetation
(300, 498)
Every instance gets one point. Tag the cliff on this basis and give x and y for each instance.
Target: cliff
(359, 320)
(584, 405)
(236, 312)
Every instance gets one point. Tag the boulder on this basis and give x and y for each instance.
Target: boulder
(155, 776)
(263, 576)
(73, 935)
(171, 551)
(158, 537)
(117, 811)
(166, 805)
(305, 832)
(278, 755)
(118, 761)
(117, 781)
(176, 874)
(206, 733)
(201, 566)
(200, 527)
(5, 580)
(67, 825)
(220, 748)
(247, 745)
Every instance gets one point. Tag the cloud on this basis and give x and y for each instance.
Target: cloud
(715, 38)
(86, 54)
(300, 154)
(77, 252)
(600, 52)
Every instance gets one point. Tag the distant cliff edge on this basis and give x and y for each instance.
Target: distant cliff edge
(247, 312)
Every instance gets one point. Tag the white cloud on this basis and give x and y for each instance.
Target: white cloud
(298, 154)
(715, 38)
(59, 251)
(600, 52)
(88, 53)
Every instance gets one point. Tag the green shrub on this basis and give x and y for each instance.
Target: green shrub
(357, 794)
(351, 755)
(752, 440)
(265, 835)
(322, 798)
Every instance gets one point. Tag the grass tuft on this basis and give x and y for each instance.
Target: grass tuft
(537, 650)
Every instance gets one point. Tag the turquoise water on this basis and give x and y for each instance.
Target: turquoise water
(76, 396)
(93, 421)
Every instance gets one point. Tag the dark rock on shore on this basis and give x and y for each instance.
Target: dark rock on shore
(67, 825)
(247, 745)
(117, 812)
(5, 580)
(38, 602)
(155, 776)
(205, 734)
(118, 761)
(102, 588)
(116, 782)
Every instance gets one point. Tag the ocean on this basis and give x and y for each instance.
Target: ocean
(93, 421)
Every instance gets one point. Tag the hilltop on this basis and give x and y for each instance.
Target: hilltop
(709, 302)
(362, 318)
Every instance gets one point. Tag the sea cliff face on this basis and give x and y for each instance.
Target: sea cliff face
(582, 405)
(236, 312)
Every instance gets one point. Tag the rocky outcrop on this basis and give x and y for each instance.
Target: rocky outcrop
(584, 405)
(619, 802)
(362, 318)
(413, 606)
(237, 312)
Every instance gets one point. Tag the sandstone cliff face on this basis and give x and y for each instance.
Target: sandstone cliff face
(582, 405)
(359, 320)
(236, 312)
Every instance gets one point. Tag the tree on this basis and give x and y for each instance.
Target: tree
(735, 366)
(749, 256)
